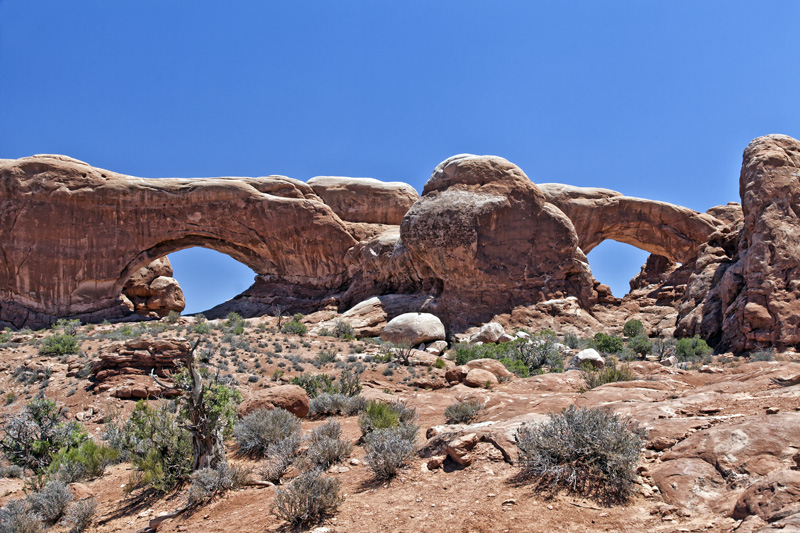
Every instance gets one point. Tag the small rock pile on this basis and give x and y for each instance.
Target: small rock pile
(123, 368)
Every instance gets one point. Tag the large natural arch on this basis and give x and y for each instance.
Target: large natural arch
(73, 234)
(660, 228)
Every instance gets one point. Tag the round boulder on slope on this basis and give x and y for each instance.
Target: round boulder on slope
(413, 329)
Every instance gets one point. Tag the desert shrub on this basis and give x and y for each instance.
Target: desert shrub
(610, 373)
(259, 430)
(59, 344)
(539, 353)
(640, 344)
(201, 325)
(326, 447)
(315, 385)
(327, 404)
(295, 326)
(12, 471)
(439, 363)
(516, 367)
(763, 355)
(463, 412)
(349, 382)
(210, 482)
(234, 323)
(589, 451)
(343, 330)
(464, 353)
(307, 499)
(68, 326)
(279, 457)
(607, 343)
(5, 336)
(89, 460)
(172, 317)
(32, 437)
(389, 448)
(571, 341)
(79, 515)
(154, 441)
(663, 348)
(692, 349)
(633, 328)
(18, 517)
(383, 415)
(51, 502)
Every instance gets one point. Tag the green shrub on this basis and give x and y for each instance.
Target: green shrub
(172, 317)
(295, 326)
(326, 447)
(349, 382)
(315, 385)
(640, 344)
(692, 349)
(154, 440)
(463, 412)
(763, 355)
(633, 328)
(588, 451)
(259, 430)
(37, 433)
(383, 415)
(234, 323)
(325, 356)
(326, 404)
(87, 461)
(59, 344)
(610, 373)
(343, 330)
(535, 355)
(607, 343)
(388, 449)
(516, 367)
(307, 499)
(571, 341)
(439, 363)
(201, 325)
(68, 326)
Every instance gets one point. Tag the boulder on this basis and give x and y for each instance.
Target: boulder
(490, 365)
(458, 449)
(490, 332)
(413, 329)
(436, 348)
(771, 498)
(590, 355)
(478, 377)
(290, 397)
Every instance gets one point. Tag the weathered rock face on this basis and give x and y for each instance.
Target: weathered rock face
(660, 228)
(485, 231)
(365, 199)
(413, 329)
(153, 291)
(73, 234)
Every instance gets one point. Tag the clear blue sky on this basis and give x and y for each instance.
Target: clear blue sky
(653, 99)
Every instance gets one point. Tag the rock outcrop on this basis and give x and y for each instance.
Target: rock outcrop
(487, 234)
(365, 199)
(153, 291)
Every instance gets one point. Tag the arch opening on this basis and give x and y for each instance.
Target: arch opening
(615, 263)
(208, 277)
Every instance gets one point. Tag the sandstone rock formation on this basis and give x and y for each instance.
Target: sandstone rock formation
(153, 291)
(487, 233)
(290, 397)
(365, 199)
(413, 329)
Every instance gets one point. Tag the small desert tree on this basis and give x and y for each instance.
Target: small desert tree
(208, 409)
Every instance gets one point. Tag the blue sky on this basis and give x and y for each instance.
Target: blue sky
(653, 99)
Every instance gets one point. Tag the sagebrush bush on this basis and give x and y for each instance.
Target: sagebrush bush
(590, 451)
(307, 499)
(336, 404)
(343, 330)
(326, 447)
(610, 373)
(463, 412)
(32, 437)
(279, 457)
(383, 415)
(523, 357)
(763, 355)
(633, 328)
(295, 326)
(315, 385)
(51, 502)
(210, 482)
(18, 517)
(59, 344)
(259, 430)
(692, 349)
(80, 514)
(234, 323)
(607, 343)
(388, 449)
